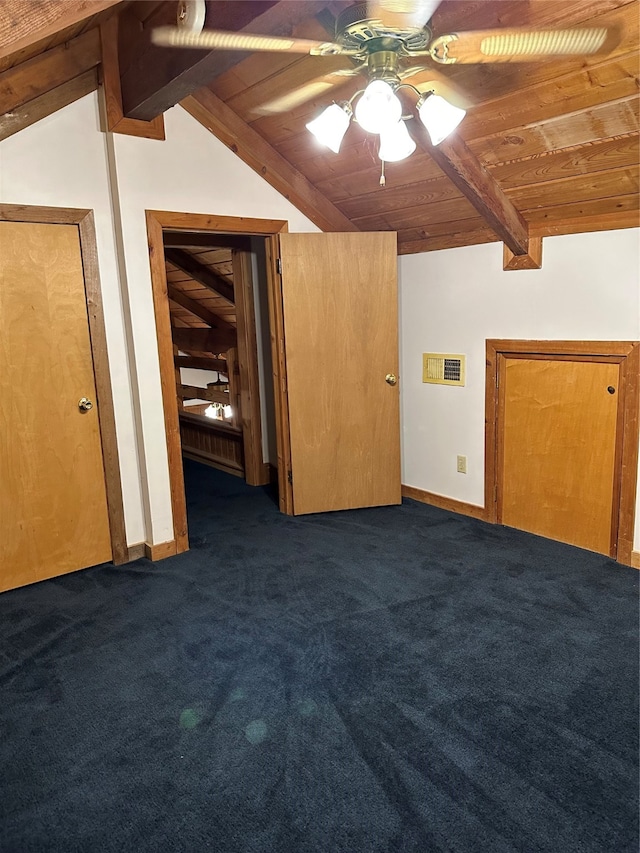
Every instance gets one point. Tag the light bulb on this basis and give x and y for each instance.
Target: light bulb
(378, 108)
(439, 117)
(395, 143)
(331, 125)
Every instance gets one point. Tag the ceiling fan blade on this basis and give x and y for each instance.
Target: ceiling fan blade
(302, 94)
(511, 45)
(429, 79)
(402, 14)
(220, 40)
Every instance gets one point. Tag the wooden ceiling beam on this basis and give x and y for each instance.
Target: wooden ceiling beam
(203, 340)
(114, 115)
(201, 363)
(160, 77)
(25, 22)
(48, 103)
(531, 261)
(212, 393)
(256, 152)
(198, 309)
(203, 275)
(464, 170)
(34, 78)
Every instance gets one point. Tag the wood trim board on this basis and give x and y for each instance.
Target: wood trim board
(442, 502)
(135, 552)
(115, 120)
(160, 551)
(167, 380)
(48, 103)
(278, 360)
(247, 346)
(157, 222)
(103, 386)
(25, 23)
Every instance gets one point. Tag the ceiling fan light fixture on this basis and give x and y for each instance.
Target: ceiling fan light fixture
(378, 108)
(396, 143)
(439, 116)
(331, 125)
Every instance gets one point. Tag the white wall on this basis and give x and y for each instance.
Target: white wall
(65, 161)
(191, 171)
(61, 162)
(453, 300)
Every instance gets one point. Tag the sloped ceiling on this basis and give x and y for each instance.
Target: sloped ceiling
(546, 147)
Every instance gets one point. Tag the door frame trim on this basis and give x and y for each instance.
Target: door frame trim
(156, 221)
(627, 354)
(84, 220)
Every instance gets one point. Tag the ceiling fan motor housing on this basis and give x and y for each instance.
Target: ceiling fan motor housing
(356, 31)
(384, 65)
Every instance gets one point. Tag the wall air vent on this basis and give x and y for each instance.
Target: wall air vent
(443, 368)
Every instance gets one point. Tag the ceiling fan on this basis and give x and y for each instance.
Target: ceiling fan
(380, 40)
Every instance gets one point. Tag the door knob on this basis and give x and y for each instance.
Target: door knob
(390, 379)
(85, 404)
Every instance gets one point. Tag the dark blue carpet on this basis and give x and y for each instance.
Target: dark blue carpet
(393, 679)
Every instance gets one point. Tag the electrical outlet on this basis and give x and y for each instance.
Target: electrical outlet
(462, 465)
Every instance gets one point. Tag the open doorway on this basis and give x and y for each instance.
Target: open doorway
(209, 282)
(210, 298)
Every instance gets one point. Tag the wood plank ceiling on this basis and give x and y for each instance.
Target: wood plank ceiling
(560, 137)
(550, 146)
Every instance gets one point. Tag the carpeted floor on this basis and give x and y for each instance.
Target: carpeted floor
(393, 679)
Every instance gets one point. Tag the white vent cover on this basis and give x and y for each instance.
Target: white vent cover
(443, 368)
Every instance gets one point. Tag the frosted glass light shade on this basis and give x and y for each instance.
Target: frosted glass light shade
(331, 125)
(395, 143)
(439, 117)
(378, 107)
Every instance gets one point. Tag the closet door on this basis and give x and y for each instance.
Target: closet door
(559, 436)
(53, 504)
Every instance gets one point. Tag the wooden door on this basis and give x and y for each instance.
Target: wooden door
(558, 440)
(53, 502)
(340, 336)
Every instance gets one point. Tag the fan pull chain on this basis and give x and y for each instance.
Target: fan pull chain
(383, 180)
